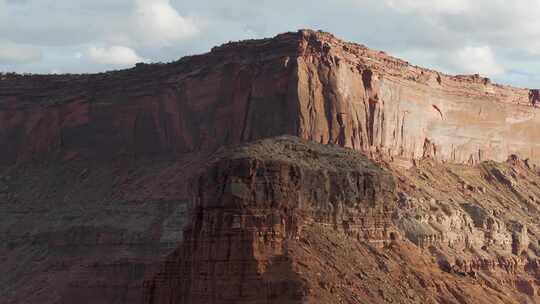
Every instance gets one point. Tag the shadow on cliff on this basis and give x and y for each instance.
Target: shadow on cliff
(180, 281)
(283, 284)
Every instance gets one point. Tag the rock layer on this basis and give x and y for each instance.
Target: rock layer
(308, 84)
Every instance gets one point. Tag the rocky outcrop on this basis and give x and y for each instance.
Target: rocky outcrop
(534, 96)
(476, 221)
(289, 221)
(253, 200)
(309, 84)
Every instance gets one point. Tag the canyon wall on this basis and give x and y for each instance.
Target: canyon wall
(308, 84)
(233, 94)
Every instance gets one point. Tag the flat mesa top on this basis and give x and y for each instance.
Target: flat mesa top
(301, 152)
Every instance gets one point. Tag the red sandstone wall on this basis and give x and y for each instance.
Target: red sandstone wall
(308, 84)
(225, 97)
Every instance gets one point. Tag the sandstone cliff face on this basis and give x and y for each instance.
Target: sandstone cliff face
(369, 101)
(233, 94)
(308, 84)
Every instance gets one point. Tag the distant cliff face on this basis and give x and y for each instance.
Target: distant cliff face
(369, 101)
(308, 84)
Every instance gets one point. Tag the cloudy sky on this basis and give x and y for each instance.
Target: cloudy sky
(496, 38)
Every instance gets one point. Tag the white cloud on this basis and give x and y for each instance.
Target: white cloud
(114, 55)
(443, 34)
(430, 6)
(472, 60)
(158, 23)
(464, 60)
(12, 53)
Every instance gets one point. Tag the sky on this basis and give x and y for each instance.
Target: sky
(499, 39)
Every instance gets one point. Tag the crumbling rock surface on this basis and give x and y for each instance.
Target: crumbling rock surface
(479, 221)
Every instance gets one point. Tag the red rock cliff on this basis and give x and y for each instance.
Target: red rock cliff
(307, 83)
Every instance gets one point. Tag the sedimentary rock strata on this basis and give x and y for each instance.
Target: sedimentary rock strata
(308, 84)
(251, 201)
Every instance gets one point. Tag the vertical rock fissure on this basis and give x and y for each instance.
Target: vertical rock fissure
(329, 98)
(246, 115)
(371, 105)
(534, 96)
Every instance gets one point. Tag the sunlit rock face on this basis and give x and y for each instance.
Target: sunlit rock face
(368, 101)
